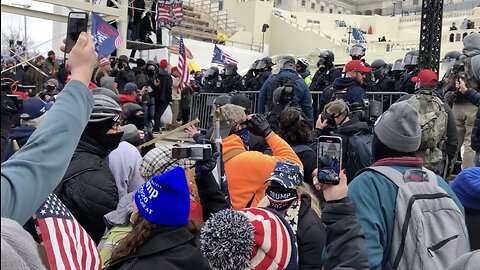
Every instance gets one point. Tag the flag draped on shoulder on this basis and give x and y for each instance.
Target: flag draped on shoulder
(67, 244)
(221, 57)
(182, 65)
(105, 37)
(169, 12)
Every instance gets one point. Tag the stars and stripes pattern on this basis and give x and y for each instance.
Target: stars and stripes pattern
(221, 57)
(67, 244)
(175, 47)
(169, 12)
(182, 66)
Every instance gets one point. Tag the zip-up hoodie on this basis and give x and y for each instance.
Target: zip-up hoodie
(248, 171)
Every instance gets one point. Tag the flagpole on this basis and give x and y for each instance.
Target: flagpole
(169, 42)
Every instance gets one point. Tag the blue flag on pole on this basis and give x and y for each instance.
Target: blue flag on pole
(105, 37)
(218, 56)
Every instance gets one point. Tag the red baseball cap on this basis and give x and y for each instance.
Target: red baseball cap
(426, 77)
(357, 65)
(163, 63)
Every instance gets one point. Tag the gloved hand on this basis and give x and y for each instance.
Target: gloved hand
(259, 126)
(204, 167)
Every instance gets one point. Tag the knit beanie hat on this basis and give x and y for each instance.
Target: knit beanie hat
(131, 135)
(104, 62)
(398, 127)
(163, 63)
(52, 80)
(159, 159)
(107, 82)
(19, 250)
(164, 199)
(254, 238)
(467, 187)
(471, 44)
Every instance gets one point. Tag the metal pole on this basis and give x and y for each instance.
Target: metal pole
(394, 4)
(263, 42)
(349, 33)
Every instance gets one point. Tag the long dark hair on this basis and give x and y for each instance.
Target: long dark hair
(142, 230)
(293, 127)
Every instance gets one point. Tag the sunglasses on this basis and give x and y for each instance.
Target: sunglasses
(360, 72)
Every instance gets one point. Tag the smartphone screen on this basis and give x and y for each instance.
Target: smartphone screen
(77, 23)
(329, 154)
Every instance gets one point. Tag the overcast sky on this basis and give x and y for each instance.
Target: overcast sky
(40, 31)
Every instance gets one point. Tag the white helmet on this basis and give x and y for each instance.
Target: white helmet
(303, 61)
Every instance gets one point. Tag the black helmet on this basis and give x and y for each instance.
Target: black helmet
(449, 59)
(328, 55)
(151, 63)
(254, 65)
(266, 62)
(131, 109)
(230, 69)
(411, 58)
(379, 63)
(212, 72)
(357, 49)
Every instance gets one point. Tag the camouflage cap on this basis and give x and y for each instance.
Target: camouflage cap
(287, 174)
(230, 115)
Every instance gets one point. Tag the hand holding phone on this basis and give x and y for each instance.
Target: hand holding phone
(332, 192)
(77, 23)
(329, 159)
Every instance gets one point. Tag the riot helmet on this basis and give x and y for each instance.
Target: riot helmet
(254, 65)
(398, 65)
(211, 73)
(378, 68)
(449, 59)
(265, 63)
(357, 51)
(287, 62)
(326, 58)
(411, 59)
(230, 69)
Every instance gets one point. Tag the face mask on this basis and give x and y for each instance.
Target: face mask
(138, 121)
(112, 141)
(150, 71)
(50, 88)
(356, 57)
(243, 134)
(280, 198)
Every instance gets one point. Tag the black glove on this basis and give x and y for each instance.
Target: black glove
(8, 106)
(204, 167)
(259, 126)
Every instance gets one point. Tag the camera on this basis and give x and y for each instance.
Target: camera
(17, 100)
(367, 111)
(193, 152)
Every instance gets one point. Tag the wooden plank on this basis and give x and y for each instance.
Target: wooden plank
(168, 133)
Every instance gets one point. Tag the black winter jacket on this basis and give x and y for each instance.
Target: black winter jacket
(311, 236)
(345, 245)
(88, 188)
(474, 97)
(167, 248)
(164, 91)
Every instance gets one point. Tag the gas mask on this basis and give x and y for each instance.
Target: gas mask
(322, 64)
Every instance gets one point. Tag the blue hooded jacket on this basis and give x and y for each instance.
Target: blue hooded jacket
(354, 94)
(301, 96)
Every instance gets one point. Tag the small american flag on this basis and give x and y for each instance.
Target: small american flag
(67, 244)
(182, 66)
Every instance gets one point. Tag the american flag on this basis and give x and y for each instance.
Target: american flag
(67, 244)
(221, 57)
(175, 47)
(182, 66)
(169, 12)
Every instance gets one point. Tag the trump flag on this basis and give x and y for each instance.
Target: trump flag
(105, 37)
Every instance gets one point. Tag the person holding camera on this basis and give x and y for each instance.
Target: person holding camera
(16, 74)
(356, 136)
(247, 170)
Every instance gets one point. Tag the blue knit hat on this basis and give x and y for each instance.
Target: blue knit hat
(467, 188)
(165, 199)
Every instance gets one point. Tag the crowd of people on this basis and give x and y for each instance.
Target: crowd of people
(395, 206)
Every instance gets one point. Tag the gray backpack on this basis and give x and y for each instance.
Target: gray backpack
(429, 230)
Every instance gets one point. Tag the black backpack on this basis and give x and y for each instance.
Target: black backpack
(359, 153)
(282, 82)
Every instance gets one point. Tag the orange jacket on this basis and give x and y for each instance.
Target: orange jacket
(248, 171)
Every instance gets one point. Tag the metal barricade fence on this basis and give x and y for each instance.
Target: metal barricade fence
(202, 103)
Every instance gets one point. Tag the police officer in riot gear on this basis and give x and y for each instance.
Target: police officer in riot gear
(264, 69)
(232, 81)
(302, 69)
(397, 70)
(357, 52)
(213, 84)
(410, 63)
(249, 81)
(381, 82)
(326, 72)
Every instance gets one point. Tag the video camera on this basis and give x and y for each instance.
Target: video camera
(193, 152)
(367, 111)
(17, 100)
